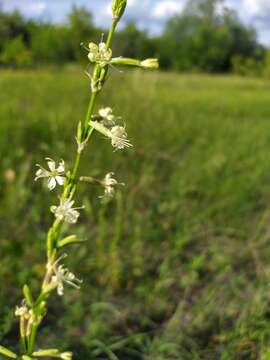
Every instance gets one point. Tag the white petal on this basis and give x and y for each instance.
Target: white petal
(60, 180)
(53, 208)
(51, 165)
(102, 46)
(60, 289)
(51, 183)
(72, 216)
(41, 173)
(69, 203)
(61, 167)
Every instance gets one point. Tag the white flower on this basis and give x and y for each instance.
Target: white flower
(119, 139)
(55, 174)
(27, 317)
(61, 276)
(107, 116)
(117, 134)
(99, 54)
(22, 311)
(66, 355)
(66, 212)
(109, 184)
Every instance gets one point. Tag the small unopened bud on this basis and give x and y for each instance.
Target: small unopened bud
(7, 353)
(145, 64)
(47, 353)
(118, 9)
(150, 64)
(66, 355)
(54, 353)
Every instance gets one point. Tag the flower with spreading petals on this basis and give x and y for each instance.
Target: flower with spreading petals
(108, 119)
(61, 276)
(55, 174)
(117, 134)
(118, 137)
(109, 184)
(99, 54)
(65, 211)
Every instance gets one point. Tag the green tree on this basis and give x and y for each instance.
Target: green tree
(134, 42)
(51, 44)
(16, 54)
(206, 36)
(82, 29)
(12, 25)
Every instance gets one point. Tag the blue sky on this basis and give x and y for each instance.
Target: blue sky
(149, 14)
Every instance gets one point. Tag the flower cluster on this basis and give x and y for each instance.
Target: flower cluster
(32, 311)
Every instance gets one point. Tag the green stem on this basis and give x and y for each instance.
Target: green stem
(90, 109)
(111, 32)
(56, 227)
(86, 125)
(69, 189)
(32, 339)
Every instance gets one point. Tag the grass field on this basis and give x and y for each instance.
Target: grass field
(178, 266)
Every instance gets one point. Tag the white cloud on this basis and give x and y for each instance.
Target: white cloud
(167, 8)
(256, 7)
(28, 7)
(132, 2)
(36, 9)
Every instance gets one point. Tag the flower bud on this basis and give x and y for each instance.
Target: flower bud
(150, 64)
(145, 64)
(118, 9)
(47, 353)
(125, 61)
(7, 353)
(66, 355)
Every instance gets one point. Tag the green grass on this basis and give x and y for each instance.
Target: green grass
(177, 267)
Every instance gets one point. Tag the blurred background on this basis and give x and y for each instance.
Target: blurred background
(177, 266)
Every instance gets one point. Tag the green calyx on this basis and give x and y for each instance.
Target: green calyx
(118, 9)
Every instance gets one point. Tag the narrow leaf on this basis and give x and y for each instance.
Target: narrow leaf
(70, 240)
(4, 351)
(28, 296)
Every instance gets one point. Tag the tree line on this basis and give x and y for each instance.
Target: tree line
(205, 37)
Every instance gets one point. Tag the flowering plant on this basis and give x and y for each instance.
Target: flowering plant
(32, 310)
